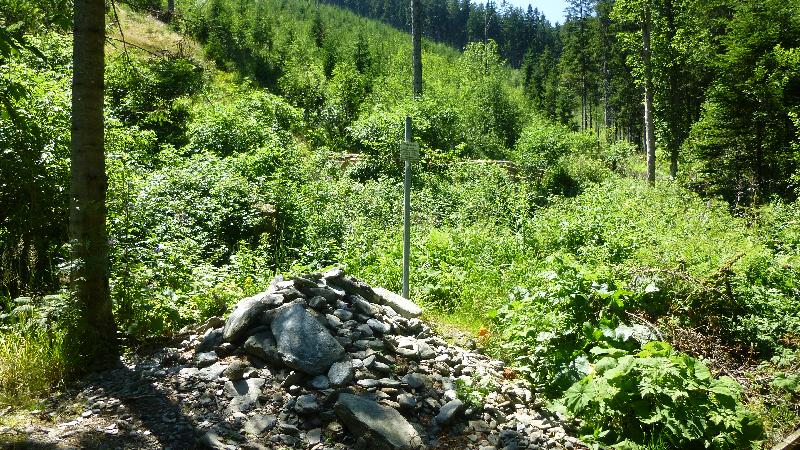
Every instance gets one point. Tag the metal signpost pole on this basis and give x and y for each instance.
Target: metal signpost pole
(407, 211)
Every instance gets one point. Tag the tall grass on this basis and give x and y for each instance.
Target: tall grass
(32, 362)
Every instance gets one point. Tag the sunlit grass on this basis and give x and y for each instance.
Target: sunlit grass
(32, 363)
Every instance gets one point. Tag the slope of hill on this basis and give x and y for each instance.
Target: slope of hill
(220, 174)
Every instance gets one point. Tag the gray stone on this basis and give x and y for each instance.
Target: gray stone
(327, 293)
(244, 393)
(343, 314)
(211, 340)
(401, 305)
(306, 404)
(363, 306)
(314, 436)
(303, 343)
(341, 373)
(213, 440)
(290, 294)
(379, 427)
(317, 302)
(378, 326)
(413, 348)
(365, 330)
(262, 345)
(449, 412)
(407, 401)
(333, 321)
(336, 272)
(205, 359)
(354, 286)
(369, 383)
(320, 382)
(246, 315)
(235, 371)
(259, 423)
(380, 367)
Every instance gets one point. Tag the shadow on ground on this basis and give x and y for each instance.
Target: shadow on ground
(151, 419)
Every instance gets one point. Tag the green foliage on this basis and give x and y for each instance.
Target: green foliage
(251, 121)
(491, 112)
(153, 94)
(658, 394)
(472, 391)
(744, 138)
(187, 236)
(556, 161)
(34, 357)
(547, 331)
(34, 138)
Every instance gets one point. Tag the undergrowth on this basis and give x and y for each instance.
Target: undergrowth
(33, 358)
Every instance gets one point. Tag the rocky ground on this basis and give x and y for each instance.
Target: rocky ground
(316, 362)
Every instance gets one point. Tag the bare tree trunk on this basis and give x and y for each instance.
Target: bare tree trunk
(96, 333)
(650, 141)
(606, 107)
(674, 139)
(170, 11)
(416, 47)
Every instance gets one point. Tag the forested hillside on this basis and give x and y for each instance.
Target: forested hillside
(717, 67)
(249, 138)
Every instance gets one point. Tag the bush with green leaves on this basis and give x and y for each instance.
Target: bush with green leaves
(657, 395)
(154, 94)
(186, 237)
(250, 121)
(34, 168)
(556, 161)
(35, 355)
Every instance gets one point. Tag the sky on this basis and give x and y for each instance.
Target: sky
(552, 9)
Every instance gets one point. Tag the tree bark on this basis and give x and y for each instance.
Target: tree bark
(650, 142)
(416, 47)
(95, 330)
(170, 11)
(676, 110)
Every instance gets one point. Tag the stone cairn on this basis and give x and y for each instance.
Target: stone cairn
(319, 362)
(358, 369)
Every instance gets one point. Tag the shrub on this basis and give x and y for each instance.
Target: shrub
(154, 94)
(659, 395)
(252, 121)
(34, 356)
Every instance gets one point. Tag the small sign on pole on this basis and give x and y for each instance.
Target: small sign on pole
(409, 151)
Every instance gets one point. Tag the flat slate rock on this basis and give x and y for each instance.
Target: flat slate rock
(378, 427)
(303, 343)
(262, 345)
(244, 393)
(450, 411)
(400, 304)
(341, 373)
(355, 286)
(246, 315)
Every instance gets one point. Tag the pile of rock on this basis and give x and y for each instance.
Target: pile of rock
(319, 362)
(326, 361)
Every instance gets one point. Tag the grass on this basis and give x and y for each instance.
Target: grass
(145, 32)
(32, 363)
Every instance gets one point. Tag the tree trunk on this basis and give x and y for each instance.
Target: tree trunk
(416, 47)
(96, 333)
(650, 142)
(676, 110)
